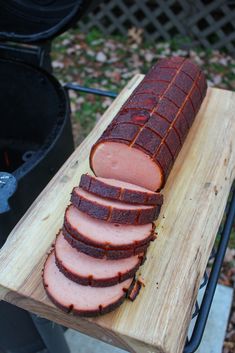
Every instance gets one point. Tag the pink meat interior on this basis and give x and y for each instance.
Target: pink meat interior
(109, 203)
(119, 161)
(105, 232)
(124, 185)
(86, 265)
(68, 292)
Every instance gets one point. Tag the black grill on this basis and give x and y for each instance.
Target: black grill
(35, 137)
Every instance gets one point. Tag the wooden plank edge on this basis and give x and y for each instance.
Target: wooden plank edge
(84, 325)
(3, 292)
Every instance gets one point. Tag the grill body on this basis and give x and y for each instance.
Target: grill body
(35, 134)
(35, 137)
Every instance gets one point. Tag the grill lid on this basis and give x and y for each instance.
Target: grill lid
(31, 21)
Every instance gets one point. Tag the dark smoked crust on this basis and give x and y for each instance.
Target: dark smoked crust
(107, 246)
(100, 253)
(180, 89)
(100, 188)
(115, 215)
(86, 313)
(134, 290)
(93, 282)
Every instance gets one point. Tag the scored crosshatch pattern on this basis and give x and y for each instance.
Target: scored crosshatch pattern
(157, 122)
(210, 23)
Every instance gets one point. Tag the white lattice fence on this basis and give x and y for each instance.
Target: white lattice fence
(210, 23)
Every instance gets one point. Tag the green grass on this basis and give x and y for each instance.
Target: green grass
(232, 239)
(87, 116)
(76, 65)
(179, 42)
(92, 36)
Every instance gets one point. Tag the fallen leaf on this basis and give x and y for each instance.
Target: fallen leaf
(149, 56)
(101, 57)
(233, 318)
(229, 255)
(135, 35)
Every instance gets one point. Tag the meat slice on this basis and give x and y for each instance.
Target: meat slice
(88, 270)
(103, 253)
(135, 290)
(113, 211)
(106, 235)
(78, 299)
(119, 191)
(144, 138)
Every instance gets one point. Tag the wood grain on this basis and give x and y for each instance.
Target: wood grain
(195, 198)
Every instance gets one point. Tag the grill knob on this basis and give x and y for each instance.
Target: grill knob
(8, 185)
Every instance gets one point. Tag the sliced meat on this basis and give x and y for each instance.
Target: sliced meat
(113, 211)
(88, 270)
(103, 253)
(120, 191)
(144, 138)
(78, 299)
(105, 235)
(134, 291)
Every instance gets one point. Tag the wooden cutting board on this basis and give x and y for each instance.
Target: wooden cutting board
(195, 197)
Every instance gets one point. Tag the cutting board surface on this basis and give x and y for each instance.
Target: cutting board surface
(195, 197)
